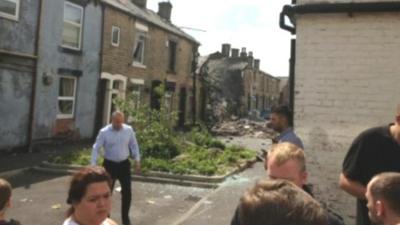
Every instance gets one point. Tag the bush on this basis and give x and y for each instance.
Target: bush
(154, 128)
(160, 144)
(202, 137)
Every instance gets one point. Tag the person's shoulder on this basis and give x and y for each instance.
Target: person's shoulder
(127, 127)
(373, 132)
(106, 128)
(110, 222)
(69, 221)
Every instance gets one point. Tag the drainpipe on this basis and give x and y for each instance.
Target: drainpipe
(95, 127)
(194, 89)
(34, 79)
(292, 63)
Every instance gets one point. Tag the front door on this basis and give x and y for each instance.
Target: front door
(182, 107)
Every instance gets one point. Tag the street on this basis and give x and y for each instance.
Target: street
(41, 198)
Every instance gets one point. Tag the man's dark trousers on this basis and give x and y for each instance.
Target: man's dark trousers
(121, 171)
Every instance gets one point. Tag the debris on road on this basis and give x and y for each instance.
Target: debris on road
(56, 206)
(244, 127)
(151, 202)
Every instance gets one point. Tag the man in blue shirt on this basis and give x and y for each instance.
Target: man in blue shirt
(119, 142)
(281, 122)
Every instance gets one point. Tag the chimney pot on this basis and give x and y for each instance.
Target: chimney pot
(257, 64)
(226, 49)
(164, 10)
(235, 53)
(243, 53)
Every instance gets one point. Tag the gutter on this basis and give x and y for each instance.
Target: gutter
(290, 11)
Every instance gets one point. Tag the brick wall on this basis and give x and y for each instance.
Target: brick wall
(118, 60)
(347, 80)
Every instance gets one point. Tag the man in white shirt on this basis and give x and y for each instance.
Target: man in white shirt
(119, 142)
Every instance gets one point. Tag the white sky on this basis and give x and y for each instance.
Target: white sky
(253, 24)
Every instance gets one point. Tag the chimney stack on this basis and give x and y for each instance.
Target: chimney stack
(243, 53)
(235, 53)
(250, 59)
(226, 49)
(164, 10)
(257, 64)
(140, 3)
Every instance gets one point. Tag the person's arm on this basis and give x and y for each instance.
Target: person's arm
(135, 152)
(96, 147)
(352, 187)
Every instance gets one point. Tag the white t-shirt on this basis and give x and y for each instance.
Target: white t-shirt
(70, 221)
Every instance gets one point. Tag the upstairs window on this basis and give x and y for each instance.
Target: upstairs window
(172, 55)
(115, 35)
(138, 51)
(9, 9)
(72, 29)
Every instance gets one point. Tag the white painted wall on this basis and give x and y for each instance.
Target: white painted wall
(347, 80)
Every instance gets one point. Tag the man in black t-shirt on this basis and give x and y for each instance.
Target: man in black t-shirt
(374, 151)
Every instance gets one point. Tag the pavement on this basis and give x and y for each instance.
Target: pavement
(22, 160)
(40, 199)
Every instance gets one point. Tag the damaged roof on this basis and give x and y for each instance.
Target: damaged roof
(226, 65)
(148, 16)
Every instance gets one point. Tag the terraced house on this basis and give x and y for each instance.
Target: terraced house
(49, 69)
(141, 50)
(234, 84)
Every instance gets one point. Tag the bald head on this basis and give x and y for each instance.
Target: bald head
(386, 187)
(117, 120)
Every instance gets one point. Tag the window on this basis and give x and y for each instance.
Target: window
(72, 30)
(138, 51)
(172, 55)
(137, 94)
(115, 36)
(66, 97)
(9, 9)
(168, 98)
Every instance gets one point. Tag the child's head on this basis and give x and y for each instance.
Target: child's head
(5, 194)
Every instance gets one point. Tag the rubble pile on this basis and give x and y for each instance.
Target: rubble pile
(244, 127)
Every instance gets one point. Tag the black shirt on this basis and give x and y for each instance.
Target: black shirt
(10, 222)
(372, 152)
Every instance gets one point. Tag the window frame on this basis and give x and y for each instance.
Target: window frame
(172, 66)
(67, 98)
(9, 16)
(112, 35)
(74, 24)
(168, 101)
(137, 40)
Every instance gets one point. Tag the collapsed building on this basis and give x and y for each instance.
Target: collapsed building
(234, 85)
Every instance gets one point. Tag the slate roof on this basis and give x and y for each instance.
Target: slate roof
(149, 16)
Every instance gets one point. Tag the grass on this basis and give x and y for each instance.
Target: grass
(193, 160)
